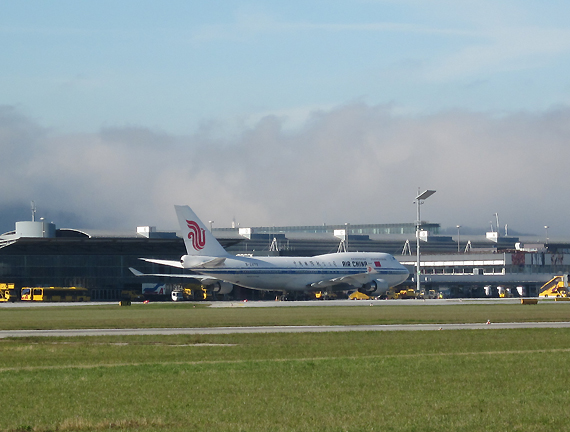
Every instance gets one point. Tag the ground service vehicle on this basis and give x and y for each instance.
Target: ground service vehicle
(401, 294)
(177, 295)
(357, 295)
(55, 294)
(8, 292)
(555, 287)
(132, 295)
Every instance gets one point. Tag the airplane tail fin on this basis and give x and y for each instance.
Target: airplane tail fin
(197, 238)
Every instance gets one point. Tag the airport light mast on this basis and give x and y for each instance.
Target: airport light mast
(458, 237)
(419, 201)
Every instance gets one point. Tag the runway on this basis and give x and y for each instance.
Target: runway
(277, 329)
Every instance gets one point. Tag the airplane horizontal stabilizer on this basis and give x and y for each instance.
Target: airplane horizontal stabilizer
(136, 272)
(216, 262)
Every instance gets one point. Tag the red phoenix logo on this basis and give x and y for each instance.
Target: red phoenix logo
(197, 235)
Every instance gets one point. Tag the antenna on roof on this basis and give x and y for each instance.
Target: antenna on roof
(274, 245)
(33, 211)
(407, 250)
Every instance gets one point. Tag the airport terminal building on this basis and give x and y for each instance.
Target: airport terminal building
(38, 254)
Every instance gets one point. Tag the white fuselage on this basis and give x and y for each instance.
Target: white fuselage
(301, 273)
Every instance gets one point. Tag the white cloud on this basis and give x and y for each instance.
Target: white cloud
(355, 163)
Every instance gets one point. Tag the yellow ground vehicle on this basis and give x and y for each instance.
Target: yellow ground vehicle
(431, 294)
(55, 294)
(132, 295)
(401, 294)
(326, 295)
(187, 293)
(504, 292)
(555, 287)
(194, 291)
(8, 292)
(357, 295)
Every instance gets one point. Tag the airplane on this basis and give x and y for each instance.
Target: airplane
(371, 273)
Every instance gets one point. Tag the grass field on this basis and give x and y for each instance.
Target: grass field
(461, 380)
(192, 315)
(409, 381)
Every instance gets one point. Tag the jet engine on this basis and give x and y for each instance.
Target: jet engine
(221, 287)
(374, 288)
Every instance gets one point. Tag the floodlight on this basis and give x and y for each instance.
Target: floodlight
(425, 195)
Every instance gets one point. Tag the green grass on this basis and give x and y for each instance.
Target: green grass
(463, 380)
(191, 315)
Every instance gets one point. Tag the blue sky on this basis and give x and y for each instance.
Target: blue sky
(81, 65)
(188, 80)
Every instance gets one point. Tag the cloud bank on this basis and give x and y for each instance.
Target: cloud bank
(355, 163)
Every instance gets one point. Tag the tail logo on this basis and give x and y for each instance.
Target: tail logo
(196, 235)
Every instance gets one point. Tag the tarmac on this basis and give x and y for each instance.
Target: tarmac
(277, 329)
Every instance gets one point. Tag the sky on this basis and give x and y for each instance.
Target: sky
(286, 113)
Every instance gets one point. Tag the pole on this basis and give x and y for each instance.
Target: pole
(418, 271)
(458, 238)
(419, 201)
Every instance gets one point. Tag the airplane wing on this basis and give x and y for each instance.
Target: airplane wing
(356, 280)
(206, 280)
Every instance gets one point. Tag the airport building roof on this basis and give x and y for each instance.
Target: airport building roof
(397, 239)
(397, 228)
